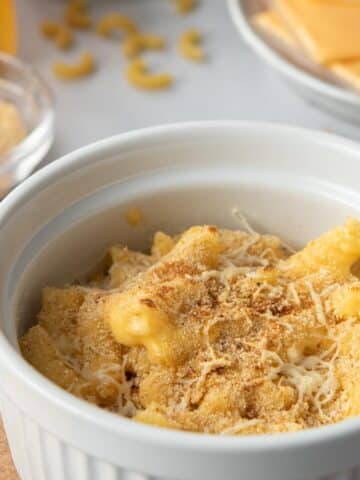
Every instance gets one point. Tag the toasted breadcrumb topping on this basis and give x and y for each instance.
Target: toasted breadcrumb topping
(216, 331)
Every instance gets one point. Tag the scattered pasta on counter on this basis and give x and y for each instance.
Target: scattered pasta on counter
(116, 21)
(138, 75)
(84, 67)
(185, 6)
(190, 46)
(135, 44)
(60, 34)
(77, 15)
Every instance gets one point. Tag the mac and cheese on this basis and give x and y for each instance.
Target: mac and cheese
(214, 331)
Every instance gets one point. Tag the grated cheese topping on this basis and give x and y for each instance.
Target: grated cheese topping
(256, 345)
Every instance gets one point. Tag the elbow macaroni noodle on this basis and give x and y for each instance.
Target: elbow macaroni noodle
(138, 322)
(84, 67)
(61, 34)
(134, 216)
(136, 43)
(185, 6)
(138, 76)
(116, 21)
(162, 244)
(77, 15)
(338, 249)
(190, 46)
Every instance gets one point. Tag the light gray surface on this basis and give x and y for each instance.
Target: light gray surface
(233, 84)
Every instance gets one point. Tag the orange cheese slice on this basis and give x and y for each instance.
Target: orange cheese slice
(7, 27)
(270, 22)
(329, 31)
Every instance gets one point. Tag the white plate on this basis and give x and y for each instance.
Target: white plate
(309, 81)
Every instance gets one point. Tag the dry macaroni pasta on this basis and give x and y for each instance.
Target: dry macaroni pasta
(138, 76)
(84, 67)
(115, 21)
(134, 44)
(134, 216)
(185, 6)
(77, 15)
(62, 36)
(190, 46)
(214, 331)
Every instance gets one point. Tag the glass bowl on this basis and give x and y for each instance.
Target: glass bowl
(22, 86)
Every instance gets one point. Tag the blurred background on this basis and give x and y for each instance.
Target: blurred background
(233, 83)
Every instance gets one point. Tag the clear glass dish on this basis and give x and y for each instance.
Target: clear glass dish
(22, 86)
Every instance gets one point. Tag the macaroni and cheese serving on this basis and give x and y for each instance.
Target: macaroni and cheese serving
(214, 331)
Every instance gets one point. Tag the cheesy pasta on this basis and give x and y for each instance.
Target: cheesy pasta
(214, 331)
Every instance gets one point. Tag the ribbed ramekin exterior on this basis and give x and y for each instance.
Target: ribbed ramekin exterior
(39, 455)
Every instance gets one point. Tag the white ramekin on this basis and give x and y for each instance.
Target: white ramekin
(328, 96)
(289, 181)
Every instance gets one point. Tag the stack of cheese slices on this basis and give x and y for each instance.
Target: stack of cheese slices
(327, 31)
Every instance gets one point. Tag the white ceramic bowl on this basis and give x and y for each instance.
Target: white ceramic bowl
(289, 181)
(307, 80)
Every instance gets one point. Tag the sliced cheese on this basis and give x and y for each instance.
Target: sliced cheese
(329, 31)
(271, 23)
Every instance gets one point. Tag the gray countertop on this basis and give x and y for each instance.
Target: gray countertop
(234, 84)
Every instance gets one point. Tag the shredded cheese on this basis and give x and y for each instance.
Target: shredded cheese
(240, 426)
(317, 303)
(221, 340)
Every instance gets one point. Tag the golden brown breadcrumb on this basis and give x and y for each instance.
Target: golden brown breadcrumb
(227, 333)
